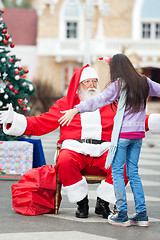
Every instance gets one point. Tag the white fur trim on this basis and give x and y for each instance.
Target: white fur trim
(105, 191)
(87, 73)
(154, 123)
(18, 126)
(91, 125)
(94, 150)
(76, 192)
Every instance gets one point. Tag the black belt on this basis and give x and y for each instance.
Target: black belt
(90, 140)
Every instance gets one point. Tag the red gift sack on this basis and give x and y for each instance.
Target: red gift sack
(35, 192)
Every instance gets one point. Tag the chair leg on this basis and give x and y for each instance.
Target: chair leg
(115, 210)
(57, 195)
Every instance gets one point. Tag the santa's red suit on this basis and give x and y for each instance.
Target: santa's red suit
(74, 155)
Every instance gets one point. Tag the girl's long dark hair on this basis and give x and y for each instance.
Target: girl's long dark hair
(137, 88)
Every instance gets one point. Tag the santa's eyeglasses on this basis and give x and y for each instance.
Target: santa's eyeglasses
(89, 82)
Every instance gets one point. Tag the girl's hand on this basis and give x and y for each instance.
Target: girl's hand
(68, 116)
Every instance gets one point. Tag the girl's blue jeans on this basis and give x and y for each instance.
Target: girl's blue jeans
(128, 151)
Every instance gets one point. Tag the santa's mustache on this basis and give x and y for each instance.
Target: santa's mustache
(91, 89)
(88, 93)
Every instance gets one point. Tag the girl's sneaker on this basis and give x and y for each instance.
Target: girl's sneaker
(139, 219)
(119, 219)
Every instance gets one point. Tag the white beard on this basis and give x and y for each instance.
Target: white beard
(87, 94)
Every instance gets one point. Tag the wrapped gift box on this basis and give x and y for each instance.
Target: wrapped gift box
(10, 176)
(38, 154)
(16, 156)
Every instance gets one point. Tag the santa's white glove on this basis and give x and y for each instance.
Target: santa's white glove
(7, 116)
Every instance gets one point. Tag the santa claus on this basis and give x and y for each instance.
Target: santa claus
(85, 141)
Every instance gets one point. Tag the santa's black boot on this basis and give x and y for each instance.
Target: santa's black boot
(82, 209)
(102, 208)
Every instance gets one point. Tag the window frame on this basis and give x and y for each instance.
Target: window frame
(71, 29)
(152, 29)
(78, 19)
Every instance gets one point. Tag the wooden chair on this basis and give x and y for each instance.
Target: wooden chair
(91, 179)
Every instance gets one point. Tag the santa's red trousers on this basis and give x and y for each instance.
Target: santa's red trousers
(70, 165)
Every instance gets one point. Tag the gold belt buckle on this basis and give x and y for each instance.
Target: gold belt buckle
(88, 140)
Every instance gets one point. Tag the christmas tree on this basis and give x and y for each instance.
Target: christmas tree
(14, 87)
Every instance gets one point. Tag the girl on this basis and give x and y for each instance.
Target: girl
(131, 90)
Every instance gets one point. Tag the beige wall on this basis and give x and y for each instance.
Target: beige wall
(48, 23)
(51, 72)
(117, 25)
(48, 70)
(118, 22)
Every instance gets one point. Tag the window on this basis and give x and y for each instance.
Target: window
(71, 21)
(71, 30)
(146, 30)
(150, 19)
(157, 30)
(146, 19)
(151, 30)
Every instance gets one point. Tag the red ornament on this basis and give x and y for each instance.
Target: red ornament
(0, 126)
(11, 87)
(26, 70)
(16, 91)
(16, 72)
(2, 11)
(7, 36)
(5, 42)
(4, 31)
(24, 108)
(12, 45)
(8, 82)
(20, 101)
(11, 60)
(20, 68)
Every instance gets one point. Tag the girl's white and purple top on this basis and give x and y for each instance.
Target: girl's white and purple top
(132, 122)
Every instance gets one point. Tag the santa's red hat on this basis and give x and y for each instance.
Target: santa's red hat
(79, 75)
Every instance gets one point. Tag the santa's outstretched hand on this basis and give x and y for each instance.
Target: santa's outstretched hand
(7, 116)
(68, 116)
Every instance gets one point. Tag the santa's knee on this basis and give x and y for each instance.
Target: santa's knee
(76, 192)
